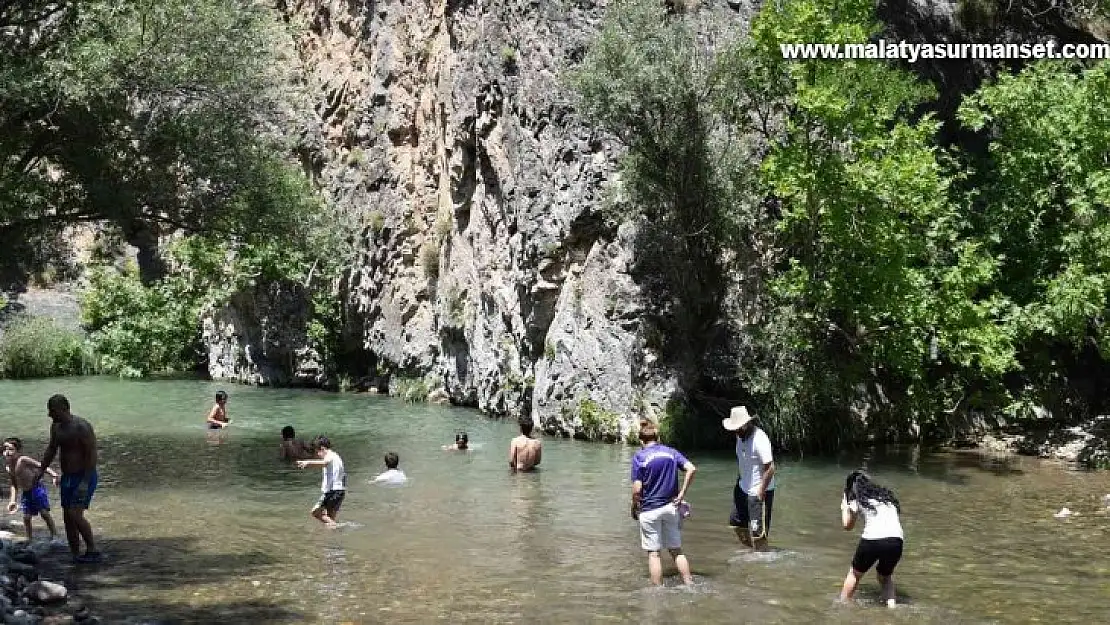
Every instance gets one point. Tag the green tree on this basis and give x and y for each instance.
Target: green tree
(153, 116)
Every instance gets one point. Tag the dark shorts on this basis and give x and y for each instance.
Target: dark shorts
(35, 501)
(76, 489)
(748, 511)
(886, 551)
(330, 500)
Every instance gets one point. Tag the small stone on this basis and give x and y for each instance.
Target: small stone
(47, 592)
(59, 619)
(256, 583)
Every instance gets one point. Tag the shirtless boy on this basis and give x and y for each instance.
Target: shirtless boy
(293, 448)
(525, 452)
(22, 470)
(217, 417)
(74, 437)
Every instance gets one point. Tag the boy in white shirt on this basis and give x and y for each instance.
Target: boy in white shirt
(334, 484)
(393, 475)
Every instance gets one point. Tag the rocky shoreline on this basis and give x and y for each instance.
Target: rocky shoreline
(27, 596)
(1086, 445)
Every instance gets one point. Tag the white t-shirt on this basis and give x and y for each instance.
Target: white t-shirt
(882, 522)
(392, 476)
(335, 476)
(753, 453)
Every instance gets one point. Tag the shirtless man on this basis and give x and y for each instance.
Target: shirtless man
(525, 452)
(75, 438)
(217, 417)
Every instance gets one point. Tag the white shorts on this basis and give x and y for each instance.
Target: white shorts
(661, 528)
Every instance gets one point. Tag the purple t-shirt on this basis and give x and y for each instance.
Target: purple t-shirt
(657, 467)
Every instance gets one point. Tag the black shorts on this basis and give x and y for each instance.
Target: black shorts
(330, 500)
(886, 551)
(748, 511)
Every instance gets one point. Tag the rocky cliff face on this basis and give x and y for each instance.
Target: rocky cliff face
(443, 131)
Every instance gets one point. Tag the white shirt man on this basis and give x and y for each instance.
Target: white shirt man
(754, 493)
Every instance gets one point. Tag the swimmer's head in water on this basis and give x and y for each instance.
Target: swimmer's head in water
(221, 397)
(391, 460)
(526, 426)
(288, 432)
(461, 440)
(12, 445)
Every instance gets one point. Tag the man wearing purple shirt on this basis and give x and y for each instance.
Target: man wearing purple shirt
(655, 500)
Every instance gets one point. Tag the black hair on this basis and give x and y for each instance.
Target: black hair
(221, 396)
(57, 401)
(859, 487)
(321, 441)
(392, 460)
(526, 426)
(462, 439)
(288, 432)
(15, 442)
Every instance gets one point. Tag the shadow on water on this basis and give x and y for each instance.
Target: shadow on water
(164, 564)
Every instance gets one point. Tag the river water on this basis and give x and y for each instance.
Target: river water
(212, 528)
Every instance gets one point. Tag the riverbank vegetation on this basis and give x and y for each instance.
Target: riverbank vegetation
(883, 273)
(166, 125)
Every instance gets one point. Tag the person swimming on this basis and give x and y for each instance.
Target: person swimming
(293, 448)
(462, 442)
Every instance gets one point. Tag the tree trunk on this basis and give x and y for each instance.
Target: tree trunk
(144, 237)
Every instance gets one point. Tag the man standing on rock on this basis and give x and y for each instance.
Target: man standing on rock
(754, 492)
(75, 438)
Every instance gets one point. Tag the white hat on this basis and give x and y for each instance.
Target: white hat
(737, 419)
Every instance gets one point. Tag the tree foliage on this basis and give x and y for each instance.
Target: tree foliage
(154, 116)
(888, 269)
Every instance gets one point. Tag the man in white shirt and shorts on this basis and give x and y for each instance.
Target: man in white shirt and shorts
(754, 493)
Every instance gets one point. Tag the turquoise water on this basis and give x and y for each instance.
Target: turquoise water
(204, 527)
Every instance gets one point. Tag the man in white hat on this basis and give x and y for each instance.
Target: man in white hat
(754, 492)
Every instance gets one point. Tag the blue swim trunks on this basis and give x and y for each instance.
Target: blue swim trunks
(76, 489)
(35, 500)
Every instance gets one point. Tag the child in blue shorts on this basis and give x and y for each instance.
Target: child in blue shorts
(23, 471)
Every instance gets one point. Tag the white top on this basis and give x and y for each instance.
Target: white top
(392, 476)
(753, 453)
(882, 522)
(335, 476)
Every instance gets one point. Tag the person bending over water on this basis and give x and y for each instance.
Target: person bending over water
(217, 417)
(22, 470)
(76, 440)
(525, 452)
(882, 533)
(462, 443)
(656, 497)
(293, 448)
(334, 485)
(392, 475)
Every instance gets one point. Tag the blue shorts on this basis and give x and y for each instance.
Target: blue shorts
(35, 501)
(76, 489)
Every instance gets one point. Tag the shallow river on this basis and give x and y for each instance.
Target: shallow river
(213, 528)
